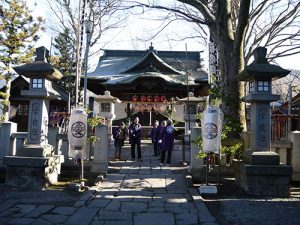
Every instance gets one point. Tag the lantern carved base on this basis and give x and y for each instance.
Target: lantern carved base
(32, 172)
(264, 180)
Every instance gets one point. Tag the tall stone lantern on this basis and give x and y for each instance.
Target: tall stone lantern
(35, 164)
(264, 175)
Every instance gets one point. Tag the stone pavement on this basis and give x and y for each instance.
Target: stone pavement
(133, 193)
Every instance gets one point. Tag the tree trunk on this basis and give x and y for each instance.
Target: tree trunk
(231, 63)
(6, 104)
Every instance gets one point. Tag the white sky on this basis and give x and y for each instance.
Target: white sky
(142, 27)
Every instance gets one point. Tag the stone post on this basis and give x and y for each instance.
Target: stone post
(7, 143)
(53, 140)
(196, 165)
(295, 139)
(100, 162)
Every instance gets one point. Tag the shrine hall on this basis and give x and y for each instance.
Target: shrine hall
(148, 83)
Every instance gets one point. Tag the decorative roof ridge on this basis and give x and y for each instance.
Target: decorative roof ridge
(156, 57)
(165, 53)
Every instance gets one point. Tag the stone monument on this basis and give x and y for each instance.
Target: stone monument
(35, 165)
(264, 176)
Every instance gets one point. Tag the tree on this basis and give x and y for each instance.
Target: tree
(237, 27)
(69, 15)
(64, 58)
(281, 86)
(18, 33)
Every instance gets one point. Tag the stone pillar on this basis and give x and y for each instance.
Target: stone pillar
(295, 139)
(260, 126)
(53, 140)
(7, 143)
(196, 165)
(100, 162)
(38, 121)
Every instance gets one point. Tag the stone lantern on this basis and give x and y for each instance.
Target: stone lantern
(192, 105)
(35, 164)
(264, 176)
(259, 76)
(107, 109)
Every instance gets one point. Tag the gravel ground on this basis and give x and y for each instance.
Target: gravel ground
(53, 197)
(232, 206)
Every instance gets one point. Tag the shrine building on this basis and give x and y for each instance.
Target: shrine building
(148, 83)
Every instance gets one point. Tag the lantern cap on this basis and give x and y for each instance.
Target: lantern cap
(261, 69)
(107, 98)
(192, 99)
(40, 67)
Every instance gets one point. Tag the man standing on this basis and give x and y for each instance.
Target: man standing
(119, 135)
(162, 125)
(168, 136)
(155, 133)
(135, 135)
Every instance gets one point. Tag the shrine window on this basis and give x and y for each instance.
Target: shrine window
(105, 107)
(37, 83)
(263, 86)
(251, 86)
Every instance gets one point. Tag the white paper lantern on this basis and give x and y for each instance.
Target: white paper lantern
(77, 133)
(211, 124)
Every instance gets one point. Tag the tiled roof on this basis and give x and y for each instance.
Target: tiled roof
(116, 63)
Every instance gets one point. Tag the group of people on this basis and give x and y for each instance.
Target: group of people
(162, 137)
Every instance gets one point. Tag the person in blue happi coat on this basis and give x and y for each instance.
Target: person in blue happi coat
(168, 136)
(162, 125)
(135, 136)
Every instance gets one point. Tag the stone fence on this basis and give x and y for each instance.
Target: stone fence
(289, 152)
(12, 141)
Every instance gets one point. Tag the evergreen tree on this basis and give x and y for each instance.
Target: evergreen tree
(64, 44)
(18, 33)
(65, 58)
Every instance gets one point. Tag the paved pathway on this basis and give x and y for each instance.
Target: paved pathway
(133, 193)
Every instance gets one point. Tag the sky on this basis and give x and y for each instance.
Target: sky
(143, 27)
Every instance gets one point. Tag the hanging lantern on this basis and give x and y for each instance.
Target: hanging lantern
(142, 107)
(149, 107)
(143, 98)
(156, 98)
(163, 98)
(163, 108)
(134, 98)
(136, 107)
(149, 98)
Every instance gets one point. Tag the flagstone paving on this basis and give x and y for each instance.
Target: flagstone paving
(133, 193)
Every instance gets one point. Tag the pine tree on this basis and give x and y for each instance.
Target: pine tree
(18, 33)
(65, 58)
